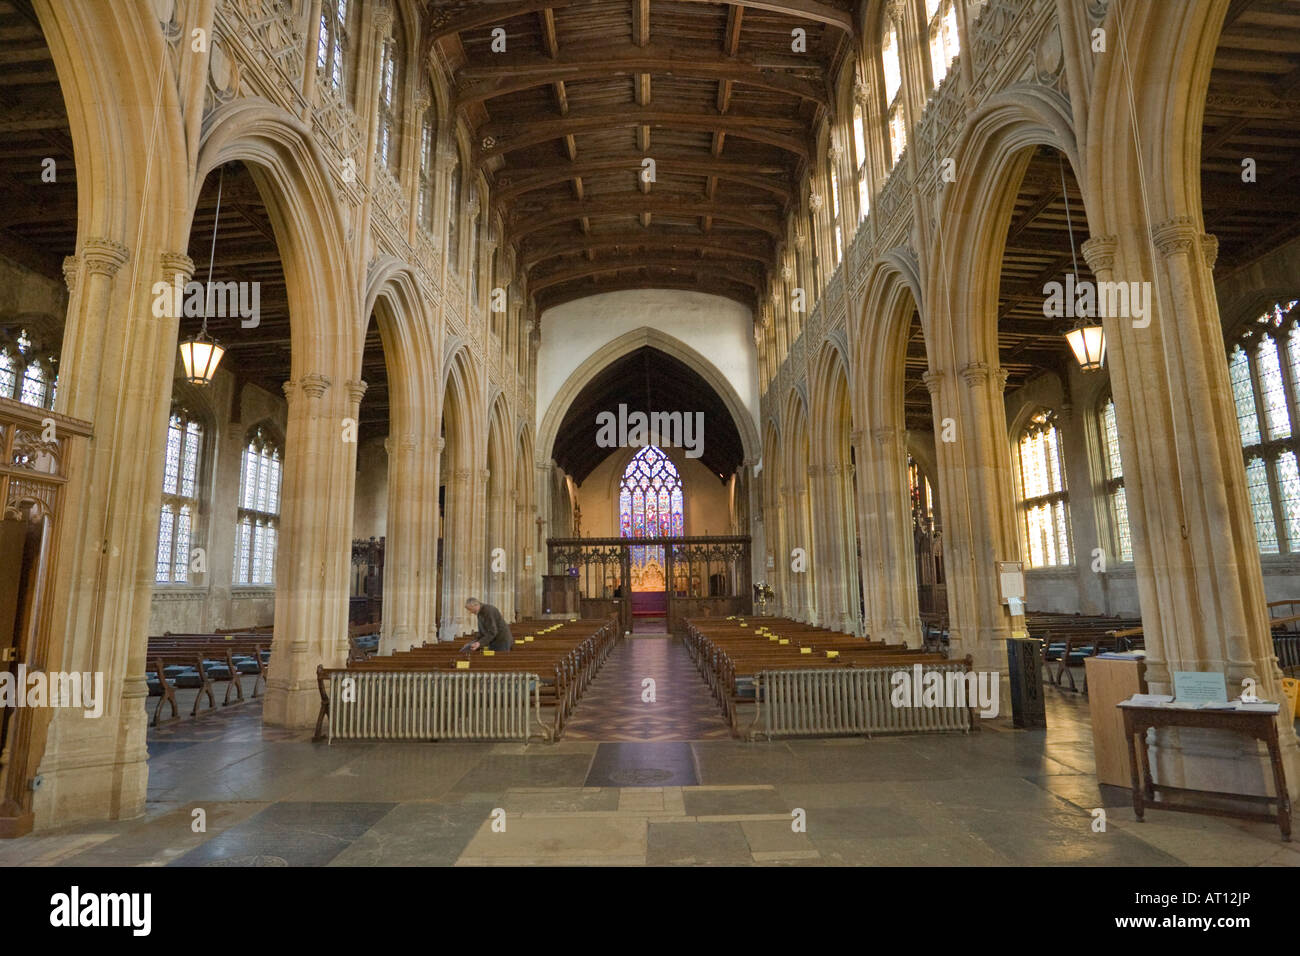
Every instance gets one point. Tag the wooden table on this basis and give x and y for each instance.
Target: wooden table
(1255, 724)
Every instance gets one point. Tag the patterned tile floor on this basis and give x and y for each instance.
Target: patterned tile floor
(999, 797)
(619, 705)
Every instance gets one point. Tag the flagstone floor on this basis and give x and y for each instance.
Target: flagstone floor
(621, 789)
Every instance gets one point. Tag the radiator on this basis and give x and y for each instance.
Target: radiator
(413, 705)
(846, 701)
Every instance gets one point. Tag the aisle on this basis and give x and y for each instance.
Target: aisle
(613, 708)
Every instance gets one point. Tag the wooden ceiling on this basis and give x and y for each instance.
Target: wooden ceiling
(584, 92)
(646, 380)
(38, 218)
(1253, 112)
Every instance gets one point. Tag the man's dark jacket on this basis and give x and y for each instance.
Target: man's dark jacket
(493, 631)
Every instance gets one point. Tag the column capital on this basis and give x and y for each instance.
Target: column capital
(382, 18)
(176, 262)
(104, 256)
(462, 476)
(933, 381)
(856, 437)
(422, 102)
(835, 152)
(815, 201)
(1099, 253)
(70, 264)
(884, 436)
(1175, 236)
(896, 8)
(313, 385)
(976, 373)
(442, 443)
(1210, 249)
(484, 474)
(861, 93)
(1001, 374)
(815, 470)
(356, 390)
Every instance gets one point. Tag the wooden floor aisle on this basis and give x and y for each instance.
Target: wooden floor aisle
(613, 707)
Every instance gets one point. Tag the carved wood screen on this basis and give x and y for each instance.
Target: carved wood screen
(706, 576)
(38, 450)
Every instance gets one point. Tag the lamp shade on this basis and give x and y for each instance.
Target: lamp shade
(1088, 342)
(201, 356)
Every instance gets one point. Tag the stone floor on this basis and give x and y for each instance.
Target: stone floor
(1000, 796)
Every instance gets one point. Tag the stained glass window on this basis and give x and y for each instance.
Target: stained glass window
(1115, 483)
(259, 512)
(390, 74)
(331, 41)
(1044, 505)
(1264, 372)
(176, 526)
(27, 371)
(650, 506)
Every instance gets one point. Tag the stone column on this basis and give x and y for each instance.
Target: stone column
(403, 545)
(116, 372)
(891, 583)
(315, 541)
(1194, 548)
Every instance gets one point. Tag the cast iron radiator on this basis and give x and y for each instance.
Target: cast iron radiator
(847, 701)
(414, 705)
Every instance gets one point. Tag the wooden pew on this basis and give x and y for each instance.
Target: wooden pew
(197, 651)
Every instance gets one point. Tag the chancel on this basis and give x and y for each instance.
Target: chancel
(858, 412)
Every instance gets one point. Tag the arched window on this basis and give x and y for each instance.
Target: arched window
(944, 42)
(1045, 519)
(180, 499)
(427, 160)
(1114, 469)
(836, 232)
(8, 374)
(473, 260)
(889, 57)
(389, 99)
(259, 511)
(332, 42)
(860, 161)
(453, 219)
(26, 372)
(650, 506)
(1264, 369)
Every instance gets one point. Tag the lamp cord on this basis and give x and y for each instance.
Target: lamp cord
(212, 255)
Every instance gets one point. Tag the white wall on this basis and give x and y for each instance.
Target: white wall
(720, 329)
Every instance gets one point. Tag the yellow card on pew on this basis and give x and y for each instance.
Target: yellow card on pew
(462, 665)
(572, 619)
(784, 640)
(832, 653)
(528, 639)
(772, 637)
(805, 650)
(487, 654)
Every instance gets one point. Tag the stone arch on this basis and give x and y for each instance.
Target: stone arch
(833, 484)
(615, 349)
(497, 528)
(291, 173)
(392, 297)
(975, 213)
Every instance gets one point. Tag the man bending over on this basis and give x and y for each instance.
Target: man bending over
(493, 631)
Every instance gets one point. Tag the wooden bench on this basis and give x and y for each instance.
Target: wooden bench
(242, 653)
(564, 654)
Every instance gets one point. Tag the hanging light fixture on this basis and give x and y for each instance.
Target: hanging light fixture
(200, 354)
(1087, 339)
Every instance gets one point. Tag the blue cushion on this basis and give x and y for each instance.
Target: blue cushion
(189, 677)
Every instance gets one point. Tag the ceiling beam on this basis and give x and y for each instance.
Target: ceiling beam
(721, 287)
(531, 256)
(504, 136)
(660, 205)
(456, 16)
(504, 77)
(684, 264)
(509, 187)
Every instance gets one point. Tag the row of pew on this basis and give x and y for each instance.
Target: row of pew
(731, 653)
(564, 654)
(199, 661)
(1068, 639)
